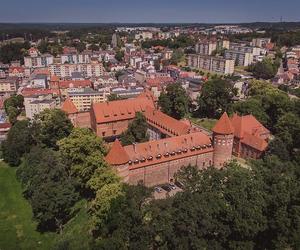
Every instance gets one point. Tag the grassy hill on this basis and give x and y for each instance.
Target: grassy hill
(17, 229)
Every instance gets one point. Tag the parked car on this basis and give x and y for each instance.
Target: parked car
(179, 184)
(172, 185)
(158, 189)
(166, 188)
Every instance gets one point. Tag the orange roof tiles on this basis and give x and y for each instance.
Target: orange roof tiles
(37, 91)
(165, 123)
(117, 154)
(223, 126)
(69, 107)
(172, 148)
(121, 109)
(54, 78)
(247, 124)
(254, 142)
(75, 84)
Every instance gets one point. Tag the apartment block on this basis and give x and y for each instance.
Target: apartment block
(240, 58)
(34, 104)
(211, 63)
(85, 97)
(206, 47)
(9, 85)
(38, 61)
(87, 69)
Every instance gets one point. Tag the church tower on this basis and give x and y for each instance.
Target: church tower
(222, 141)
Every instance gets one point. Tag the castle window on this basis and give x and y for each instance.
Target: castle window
(103, 134)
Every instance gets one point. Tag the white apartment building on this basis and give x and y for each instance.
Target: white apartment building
(241, 58)
(38, 61)
(205, 48)
(211, 63)
(35, 104)
(75, 58)
(87, 69)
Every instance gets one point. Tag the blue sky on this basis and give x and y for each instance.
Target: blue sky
(140, 11)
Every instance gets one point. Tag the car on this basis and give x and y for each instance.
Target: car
(171, 185)
(158, 189)
(166, 188)
(179, 184)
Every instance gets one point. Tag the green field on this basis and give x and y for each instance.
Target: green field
(204, 122)
(17, 230)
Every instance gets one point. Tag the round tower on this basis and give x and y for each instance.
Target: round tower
(119, 160)
(222, 141)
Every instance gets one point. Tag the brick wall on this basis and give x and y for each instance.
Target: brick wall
(164, 172)
(222, 149)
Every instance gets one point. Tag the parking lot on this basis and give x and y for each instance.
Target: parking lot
(164, 193)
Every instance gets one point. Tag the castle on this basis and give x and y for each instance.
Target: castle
(173, 143)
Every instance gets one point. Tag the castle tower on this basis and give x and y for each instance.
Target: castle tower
(222, 141)
(119, 160)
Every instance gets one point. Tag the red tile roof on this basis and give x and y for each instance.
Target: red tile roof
(254, 142)
(157, 81)
(69, 107)
(54, 78)
(165, 123)
(38, 91)
(117, 155)
(75, 84)
(18, 69)
(247, 124)
(164, 150)
(223, 126)
(121, 109)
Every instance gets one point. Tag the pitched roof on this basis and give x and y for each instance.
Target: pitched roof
(223, 126)
(75, 84)
(164, 150)
(120, 109)
(247, 124)
(69, 107)
(254, 142)
(54, 78)
(165, 123)
(117, 155)
(37, 91)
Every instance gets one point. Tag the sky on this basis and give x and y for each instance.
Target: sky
(143, 11)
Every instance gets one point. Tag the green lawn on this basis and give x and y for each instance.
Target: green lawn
(204, 122)
(17, 230)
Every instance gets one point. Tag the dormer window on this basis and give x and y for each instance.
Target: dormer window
(158, 156)
(192, 148)
(167, 154)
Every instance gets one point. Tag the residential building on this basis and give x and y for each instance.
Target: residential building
(241, 58)
(34, 104)
(206, 47)
(38, 61)
(9, 85)
(84, 98)
(93, 69)
(211, 63)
